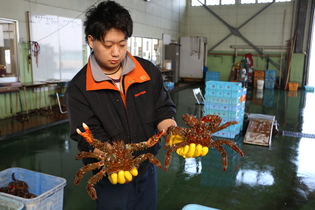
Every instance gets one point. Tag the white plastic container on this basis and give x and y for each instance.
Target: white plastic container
(260, 84)
(168, 64)
(259, 93)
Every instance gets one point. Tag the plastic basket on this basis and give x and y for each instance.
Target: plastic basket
(293, 86)
(10, 204)
(47, 188)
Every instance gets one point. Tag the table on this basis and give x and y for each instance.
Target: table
(32, 85)
(168, 74)
(12, 89)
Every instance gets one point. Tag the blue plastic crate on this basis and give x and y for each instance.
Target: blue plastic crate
(10, 204)
(212, 75)
(222, 85)
(309, 88)
(212, 79)
(220, 113)
(169, 85)
(271, 73)
(210, 92)
(47, 188)
(269, 84)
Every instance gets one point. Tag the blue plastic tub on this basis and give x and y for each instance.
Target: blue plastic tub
(197, 207)
(48, 189)
(10, 204)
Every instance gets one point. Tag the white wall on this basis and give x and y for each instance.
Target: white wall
(151, 19)
(264, 29)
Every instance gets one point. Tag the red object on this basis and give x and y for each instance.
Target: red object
(249, 57)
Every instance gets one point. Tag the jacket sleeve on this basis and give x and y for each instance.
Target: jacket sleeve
(79, 111)
(164, 106)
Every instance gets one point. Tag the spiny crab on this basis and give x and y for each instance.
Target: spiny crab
(199, 133)
(117, 157)
(17, 188)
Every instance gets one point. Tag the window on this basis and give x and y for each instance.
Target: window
(147, 48)
(231, 2)
(196, 2)
(227, 2)
(264, 1)
(9, 58)
(248, 1)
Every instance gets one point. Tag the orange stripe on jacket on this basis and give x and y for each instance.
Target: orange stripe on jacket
(137, 75)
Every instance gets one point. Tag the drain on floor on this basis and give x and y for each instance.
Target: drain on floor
(297, 134)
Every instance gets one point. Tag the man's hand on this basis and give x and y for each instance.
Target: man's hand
(123, 177)
(188, 151)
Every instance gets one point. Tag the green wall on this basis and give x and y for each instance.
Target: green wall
(223, 62)
(13, 103)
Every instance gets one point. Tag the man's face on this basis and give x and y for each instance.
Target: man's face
(110, 52)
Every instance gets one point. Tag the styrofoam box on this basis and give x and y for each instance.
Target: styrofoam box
(10, 204)
(48, 189)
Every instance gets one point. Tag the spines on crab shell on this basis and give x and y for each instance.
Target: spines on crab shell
(190, 120)
(117, 159)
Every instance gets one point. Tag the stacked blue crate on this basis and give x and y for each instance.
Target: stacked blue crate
(212, 75)
(270, 79)
(227, 100)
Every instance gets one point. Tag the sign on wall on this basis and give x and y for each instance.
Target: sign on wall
(55, 47)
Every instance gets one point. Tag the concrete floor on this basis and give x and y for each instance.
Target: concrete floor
(281, 176)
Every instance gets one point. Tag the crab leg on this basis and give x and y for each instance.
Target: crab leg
(230, 144)
(145, 144)
(225, 125)
(84, 169)
(218, 145)
(92, 181)
(224, 157)
(168, 157)
(150, 157)
(168, 154)
(84, 154)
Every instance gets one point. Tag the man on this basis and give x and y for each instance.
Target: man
(120, 97)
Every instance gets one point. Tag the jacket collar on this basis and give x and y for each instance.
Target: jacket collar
(97, 81)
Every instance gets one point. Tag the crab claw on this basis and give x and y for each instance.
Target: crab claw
(87, 134)
(155, 139)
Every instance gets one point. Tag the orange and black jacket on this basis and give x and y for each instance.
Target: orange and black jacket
(131, 115)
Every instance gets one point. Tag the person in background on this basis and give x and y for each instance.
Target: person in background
(120, 97)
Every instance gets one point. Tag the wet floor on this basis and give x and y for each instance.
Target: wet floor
(281, 176)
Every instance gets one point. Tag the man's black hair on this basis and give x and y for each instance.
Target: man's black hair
(105, 16)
